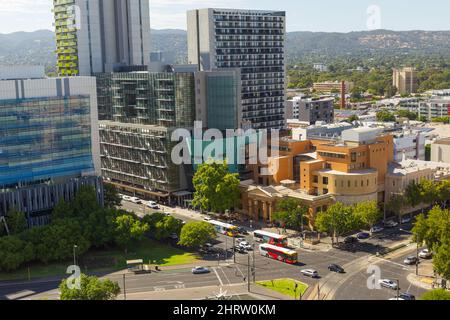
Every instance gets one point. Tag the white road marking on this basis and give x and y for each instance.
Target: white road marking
(226, 277)
(218, 277)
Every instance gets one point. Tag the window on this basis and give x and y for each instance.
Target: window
(325, 191)
(353, 156)
(315, 179)
(325, 180)
(349, 183)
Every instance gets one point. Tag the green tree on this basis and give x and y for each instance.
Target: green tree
(153, 219)
(99, 227)
(396, 204)
(441, 260)
(85, 202)
(353, 118)
(14, 252)
(111, 196)
(62, 210)
(290, 213)
(443, 192)
(368, 213)
(413, 194)
(195, 234)
(215, 188)
(428, 152)
(168, 226)
(337, 220)
(17, 221)
(91, 288)
(385, 116)
(437, 294)
(129, 229)
(407, 114)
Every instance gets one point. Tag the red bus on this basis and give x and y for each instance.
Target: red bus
(270, 238)
(278, 253)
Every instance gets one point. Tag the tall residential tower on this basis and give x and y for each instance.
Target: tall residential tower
(95, 36)
(252, 41)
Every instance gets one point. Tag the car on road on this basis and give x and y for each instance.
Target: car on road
(363, 235)
(240, 239)
(425, 254)
(336, 268)
(240, 250)
(174, 237)
(247, 246)
(310, 273)
(207, 219)
(391, 224)
(167, 214)
(388, 284)
(126, 198)
(153, 205)
(407, 296)
(200, 270)
(376, 229)
(410, 260)
(406, 219)
(351, 239)
(396, 298)
(242, 231)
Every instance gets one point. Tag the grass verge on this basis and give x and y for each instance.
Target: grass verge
(107, 260)
(285, 286)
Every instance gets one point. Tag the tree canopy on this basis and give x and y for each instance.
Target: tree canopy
(195, 234)
(215, 188)
(91, 288)
(290, 213)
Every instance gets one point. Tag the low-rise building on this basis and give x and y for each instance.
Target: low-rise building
(440, 150)
(435, 108)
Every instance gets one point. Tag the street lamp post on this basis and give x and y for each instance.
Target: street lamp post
(417, 258)
(74, 255)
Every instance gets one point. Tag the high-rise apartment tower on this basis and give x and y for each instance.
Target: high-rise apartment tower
(95, 36)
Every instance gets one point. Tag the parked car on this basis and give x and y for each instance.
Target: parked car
(153, 205)
(207, 219)
(310, 273)
(351, 239)
(388, 284)
(167, 214)
(136, 200)
(126, 198)
(406, 219)
(410, 260)
(391, 224)
(396, 298)
(336, 268)
(407, 296)
(425, 254)
(363, 235)
(376, 229)
(200, 270)
(240, 239)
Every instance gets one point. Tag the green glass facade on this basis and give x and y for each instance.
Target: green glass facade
(222, 95)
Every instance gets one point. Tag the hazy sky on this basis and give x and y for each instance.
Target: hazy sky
(303, 15)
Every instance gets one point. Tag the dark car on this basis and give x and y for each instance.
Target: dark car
(407, 296)
(349, 240)
(240, 250)
(336, 268)
(363, 235)
(242, 231)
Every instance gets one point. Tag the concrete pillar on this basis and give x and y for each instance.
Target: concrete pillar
(265, 212)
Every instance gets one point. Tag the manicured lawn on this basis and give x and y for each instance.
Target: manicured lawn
(105, 261)
(284, 286)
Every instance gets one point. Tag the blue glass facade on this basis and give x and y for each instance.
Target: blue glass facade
(43, 139)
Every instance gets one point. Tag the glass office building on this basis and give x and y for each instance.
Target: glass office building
(44, 138)
(49, 143)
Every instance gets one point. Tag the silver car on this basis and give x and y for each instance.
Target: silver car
(388, 284)
(310, 273)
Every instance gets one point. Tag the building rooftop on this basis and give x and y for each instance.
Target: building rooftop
(445, 141)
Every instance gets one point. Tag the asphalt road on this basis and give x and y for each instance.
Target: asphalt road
(225, 272)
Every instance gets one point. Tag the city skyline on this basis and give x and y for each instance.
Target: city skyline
(31, 15)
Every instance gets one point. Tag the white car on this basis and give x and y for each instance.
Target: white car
(406, 219)
(396, 298)
(425, 254)
(245, 245)
(310, 273)
(153, 205)
(126, 198)
(239, 240)
(136, 200)
(391, 224)
(388, 284)
(207, 219)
